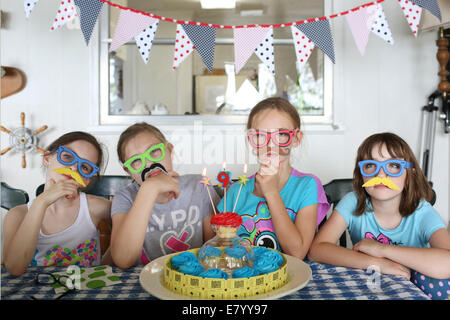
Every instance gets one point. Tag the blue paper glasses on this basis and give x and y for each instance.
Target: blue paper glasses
(393, 168)
(67, 157)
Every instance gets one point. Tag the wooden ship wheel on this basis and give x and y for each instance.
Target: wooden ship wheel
(23, 140)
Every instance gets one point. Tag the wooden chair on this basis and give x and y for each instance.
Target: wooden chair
(12, 197)
(335, 190)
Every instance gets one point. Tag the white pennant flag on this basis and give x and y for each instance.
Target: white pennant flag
(380, 26)
(183, 46)
(264, 51)
(144, 41)
(29, 6)
(303, 46)
(66, 13)
(412, 14)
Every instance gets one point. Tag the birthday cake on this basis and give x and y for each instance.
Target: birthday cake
(225, 267)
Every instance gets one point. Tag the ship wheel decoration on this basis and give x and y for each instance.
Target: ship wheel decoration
(23, 140)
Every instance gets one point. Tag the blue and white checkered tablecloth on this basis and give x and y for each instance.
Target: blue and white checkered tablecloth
(328, 283)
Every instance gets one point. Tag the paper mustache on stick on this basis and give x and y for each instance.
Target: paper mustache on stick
(152, 171)
(75, 175)
(385, 181)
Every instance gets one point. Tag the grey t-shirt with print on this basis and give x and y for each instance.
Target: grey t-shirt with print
(176, 225)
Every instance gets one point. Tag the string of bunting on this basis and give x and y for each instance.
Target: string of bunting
(248, 39)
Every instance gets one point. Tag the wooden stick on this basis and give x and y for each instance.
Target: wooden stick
(43, 128)
(2, 128)
(5, 151)
(237, 198)
(210, 198)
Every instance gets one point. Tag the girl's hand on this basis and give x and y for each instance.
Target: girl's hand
(57, 190)
(390, 267)
(164, 183)
(268, 176)
(370, 247)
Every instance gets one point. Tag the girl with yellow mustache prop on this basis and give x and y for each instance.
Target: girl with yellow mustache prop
(396, 228)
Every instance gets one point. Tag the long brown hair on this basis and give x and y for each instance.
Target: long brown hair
(416, 184)
(276, 103)
(133, 131)
(75, 136)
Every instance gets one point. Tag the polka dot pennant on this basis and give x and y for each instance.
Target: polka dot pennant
(65, 13)
(319, 32)
(430, 5)
(264, 51)
(128, 26)
(204, 39)
(303, 47)
(29, 6)
(183, 47)
(360, 26)
(246, 40)
(412, 14)
(89, 11)
(144, 40)
(380, 26)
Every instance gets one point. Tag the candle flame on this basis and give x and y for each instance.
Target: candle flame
(245, 168)
(204, 172)
(224, 166)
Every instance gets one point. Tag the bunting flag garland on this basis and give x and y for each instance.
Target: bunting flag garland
(66, 12)
(303, 47)
(430, 5)
(89, 11)
(319, 32)
(144, 40)
(358, 22)
(128, 26)
(29, 6)
(246, 41)
(380, 26)
(265, 51)
(412, 14)
(204, 40)
(183, 47)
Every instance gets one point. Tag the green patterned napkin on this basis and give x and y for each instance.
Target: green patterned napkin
(88, 278)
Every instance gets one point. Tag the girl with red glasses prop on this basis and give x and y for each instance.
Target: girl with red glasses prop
(280, 207)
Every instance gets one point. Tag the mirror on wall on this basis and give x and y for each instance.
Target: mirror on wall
(131, 88)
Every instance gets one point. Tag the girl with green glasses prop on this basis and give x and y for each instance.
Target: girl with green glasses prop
(137, 163)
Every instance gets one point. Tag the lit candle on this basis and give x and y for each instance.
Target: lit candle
(224, 178)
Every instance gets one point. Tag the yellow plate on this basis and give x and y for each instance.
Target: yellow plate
(151, 279)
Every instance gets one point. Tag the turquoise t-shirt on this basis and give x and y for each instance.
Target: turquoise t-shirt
(300, 191)
(413, 231)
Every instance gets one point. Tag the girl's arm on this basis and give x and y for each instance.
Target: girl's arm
(22, 227)
(433, 262)
(295, 239)
(325, 250)
(100, 209)
(128, 229)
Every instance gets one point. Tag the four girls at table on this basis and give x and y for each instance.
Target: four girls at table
(390, 220)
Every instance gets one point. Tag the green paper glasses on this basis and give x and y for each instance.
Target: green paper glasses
(137, 163)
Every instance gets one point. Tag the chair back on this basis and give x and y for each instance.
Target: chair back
(335, 190)
(12, 197)
(106, 186)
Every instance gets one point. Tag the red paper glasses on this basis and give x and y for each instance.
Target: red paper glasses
(281, 138)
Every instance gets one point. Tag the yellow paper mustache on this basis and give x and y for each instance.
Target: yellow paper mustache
(71, 173)
(385, 181)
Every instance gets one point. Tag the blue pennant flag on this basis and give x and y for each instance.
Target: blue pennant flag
(204, 40)
(89, 11)
(430, 5)
(319, 32)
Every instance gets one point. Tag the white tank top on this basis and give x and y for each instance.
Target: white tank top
(78, 244)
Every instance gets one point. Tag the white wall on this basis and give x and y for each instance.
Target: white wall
(382, 91)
